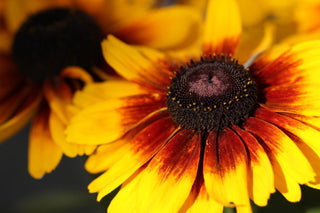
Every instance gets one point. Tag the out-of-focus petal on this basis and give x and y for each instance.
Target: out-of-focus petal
(222, 29)
(44, 154)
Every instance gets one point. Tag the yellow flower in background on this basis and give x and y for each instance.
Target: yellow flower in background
(48, 50)
(307, 15)
(289, 16)
(195, 135)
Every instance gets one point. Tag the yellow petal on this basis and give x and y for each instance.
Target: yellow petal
(58, 97)
(172, 171)
(305, 137)
(306, 15)
(170, 27)
(199, 199)
(137, 65)
(252, 12)
(98, 162)
(260, 176)
(115, 12)
(126, 199)
(44, 154)
(225, 169)
(76, 73)
(290, 165)
(222, 29)
(97, 92)
(57, 128)
(107, 121)
(139, 147)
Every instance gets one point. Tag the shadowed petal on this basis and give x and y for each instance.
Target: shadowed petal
(22, 115)
(10, 79)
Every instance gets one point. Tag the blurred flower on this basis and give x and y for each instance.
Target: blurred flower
(289, 17)
(48, 50)
(199, 134)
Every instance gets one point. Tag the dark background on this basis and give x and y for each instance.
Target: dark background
(62, 191)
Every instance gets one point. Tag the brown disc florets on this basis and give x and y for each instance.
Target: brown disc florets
(211, 93)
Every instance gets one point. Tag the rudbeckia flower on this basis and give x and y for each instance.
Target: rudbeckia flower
(47, 52)
(289, 17)
(199, 134)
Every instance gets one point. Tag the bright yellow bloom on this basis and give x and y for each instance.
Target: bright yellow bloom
(199, 134)
(29, 90)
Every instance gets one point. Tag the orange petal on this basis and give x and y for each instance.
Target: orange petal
(10, 105)
(44, 154)
(22, 115)
(9, 77)
(5, 41)
(222, 29)
(137, 149)
(225, 168)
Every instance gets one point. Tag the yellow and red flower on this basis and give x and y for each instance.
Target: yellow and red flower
(199, 134)
(26, 91)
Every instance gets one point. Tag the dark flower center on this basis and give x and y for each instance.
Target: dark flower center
(211, 94)
(56, 38)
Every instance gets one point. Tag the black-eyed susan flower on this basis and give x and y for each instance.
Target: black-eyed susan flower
(47, 52)
(199, 134)
(289, 17)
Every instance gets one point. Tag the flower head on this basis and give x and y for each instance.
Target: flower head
(53, 52)
(198, 134)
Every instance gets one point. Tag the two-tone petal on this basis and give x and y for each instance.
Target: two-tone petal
(224, 167)
(136, 148)
(288, 82)
(222, 29)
